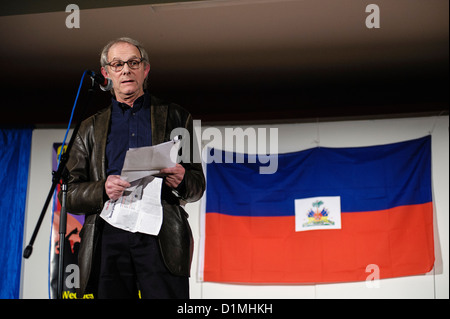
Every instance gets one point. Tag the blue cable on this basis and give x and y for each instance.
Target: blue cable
(71, 116)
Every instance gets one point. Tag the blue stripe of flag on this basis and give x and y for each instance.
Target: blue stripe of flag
(367, 179)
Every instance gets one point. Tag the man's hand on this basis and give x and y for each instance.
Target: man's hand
(174, 175)
(114, 186)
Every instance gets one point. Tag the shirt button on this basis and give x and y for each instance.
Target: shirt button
(132, 134)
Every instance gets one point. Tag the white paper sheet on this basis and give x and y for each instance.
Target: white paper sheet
(145, 161)
(139, 209)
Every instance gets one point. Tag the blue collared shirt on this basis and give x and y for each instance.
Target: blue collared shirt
(130, 128)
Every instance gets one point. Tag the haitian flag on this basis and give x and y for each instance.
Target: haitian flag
(252, 223)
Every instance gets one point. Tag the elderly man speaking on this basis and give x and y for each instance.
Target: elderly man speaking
(114, 262)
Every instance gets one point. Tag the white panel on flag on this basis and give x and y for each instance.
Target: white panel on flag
(318, 213)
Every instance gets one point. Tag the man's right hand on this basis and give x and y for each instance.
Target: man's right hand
(114, 186)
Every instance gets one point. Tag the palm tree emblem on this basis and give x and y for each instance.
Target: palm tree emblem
(317, 216)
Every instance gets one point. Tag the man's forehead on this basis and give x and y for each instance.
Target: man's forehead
(123, 50)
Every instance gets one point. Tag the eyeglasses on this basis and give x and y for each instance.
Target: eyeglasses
(132, 64)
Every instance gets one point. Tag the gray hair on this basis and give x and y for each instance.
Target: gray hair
(137, 44)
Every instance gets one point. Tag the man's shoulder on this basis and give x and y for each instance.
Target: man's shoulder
(171, 107)
(174, 110)
(103, 113)
(100, 118)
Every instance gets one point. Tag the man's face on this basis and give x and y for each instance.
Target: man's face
(128, 82)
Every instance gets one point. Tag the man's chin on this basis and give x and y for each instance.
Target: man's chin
(130, 92)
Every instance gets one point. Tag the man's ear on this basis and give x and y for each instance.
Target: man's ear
(147, 69)
(104, 72)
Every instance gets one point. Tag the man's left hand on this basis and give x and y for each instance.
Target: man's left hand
(174, 175)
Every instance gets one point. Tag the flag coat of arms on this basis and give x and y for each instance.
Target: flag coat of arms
(252, 223)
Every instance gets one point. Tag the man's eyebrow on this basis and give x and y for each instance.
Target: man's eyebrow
(118, 59)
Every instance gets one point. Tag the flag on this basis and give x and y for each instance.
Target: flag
(360, 208)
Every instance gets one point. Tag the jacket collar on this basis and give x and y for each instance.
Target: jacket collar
(101, 134)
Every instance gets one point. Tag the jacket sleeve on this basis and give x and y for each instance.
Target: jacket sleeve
(85, 194)
(193, 184)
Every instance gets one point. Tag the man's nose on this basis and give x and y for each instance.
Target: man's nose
(126, 69)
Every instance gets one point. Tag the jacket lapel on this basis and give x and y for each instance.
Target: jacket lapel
(100, 134)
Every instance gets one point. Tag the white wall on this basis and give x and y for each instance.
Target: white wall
(292, 137)
(35, 269)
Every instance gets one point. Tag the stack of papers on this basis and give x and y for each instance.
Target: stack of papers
(139, 209)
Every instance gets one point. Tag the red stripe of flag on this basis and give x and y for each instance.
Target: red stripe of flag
(268, 250)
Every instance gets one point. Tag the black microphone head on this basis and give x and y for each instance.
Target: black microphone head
(104, 83)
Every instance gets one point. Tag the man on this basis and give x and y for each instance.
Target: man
(115, 263)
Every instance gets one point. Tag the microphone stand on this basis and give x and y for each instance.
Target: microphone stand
(61, 172)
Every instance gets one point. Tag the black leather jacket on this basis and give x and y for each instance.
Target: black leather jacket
(86, 191)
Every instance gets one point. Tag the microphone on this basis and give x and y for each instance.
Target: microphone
(104, 83)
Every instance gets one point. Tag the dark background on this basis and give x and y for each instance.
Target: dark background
(234, 61)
